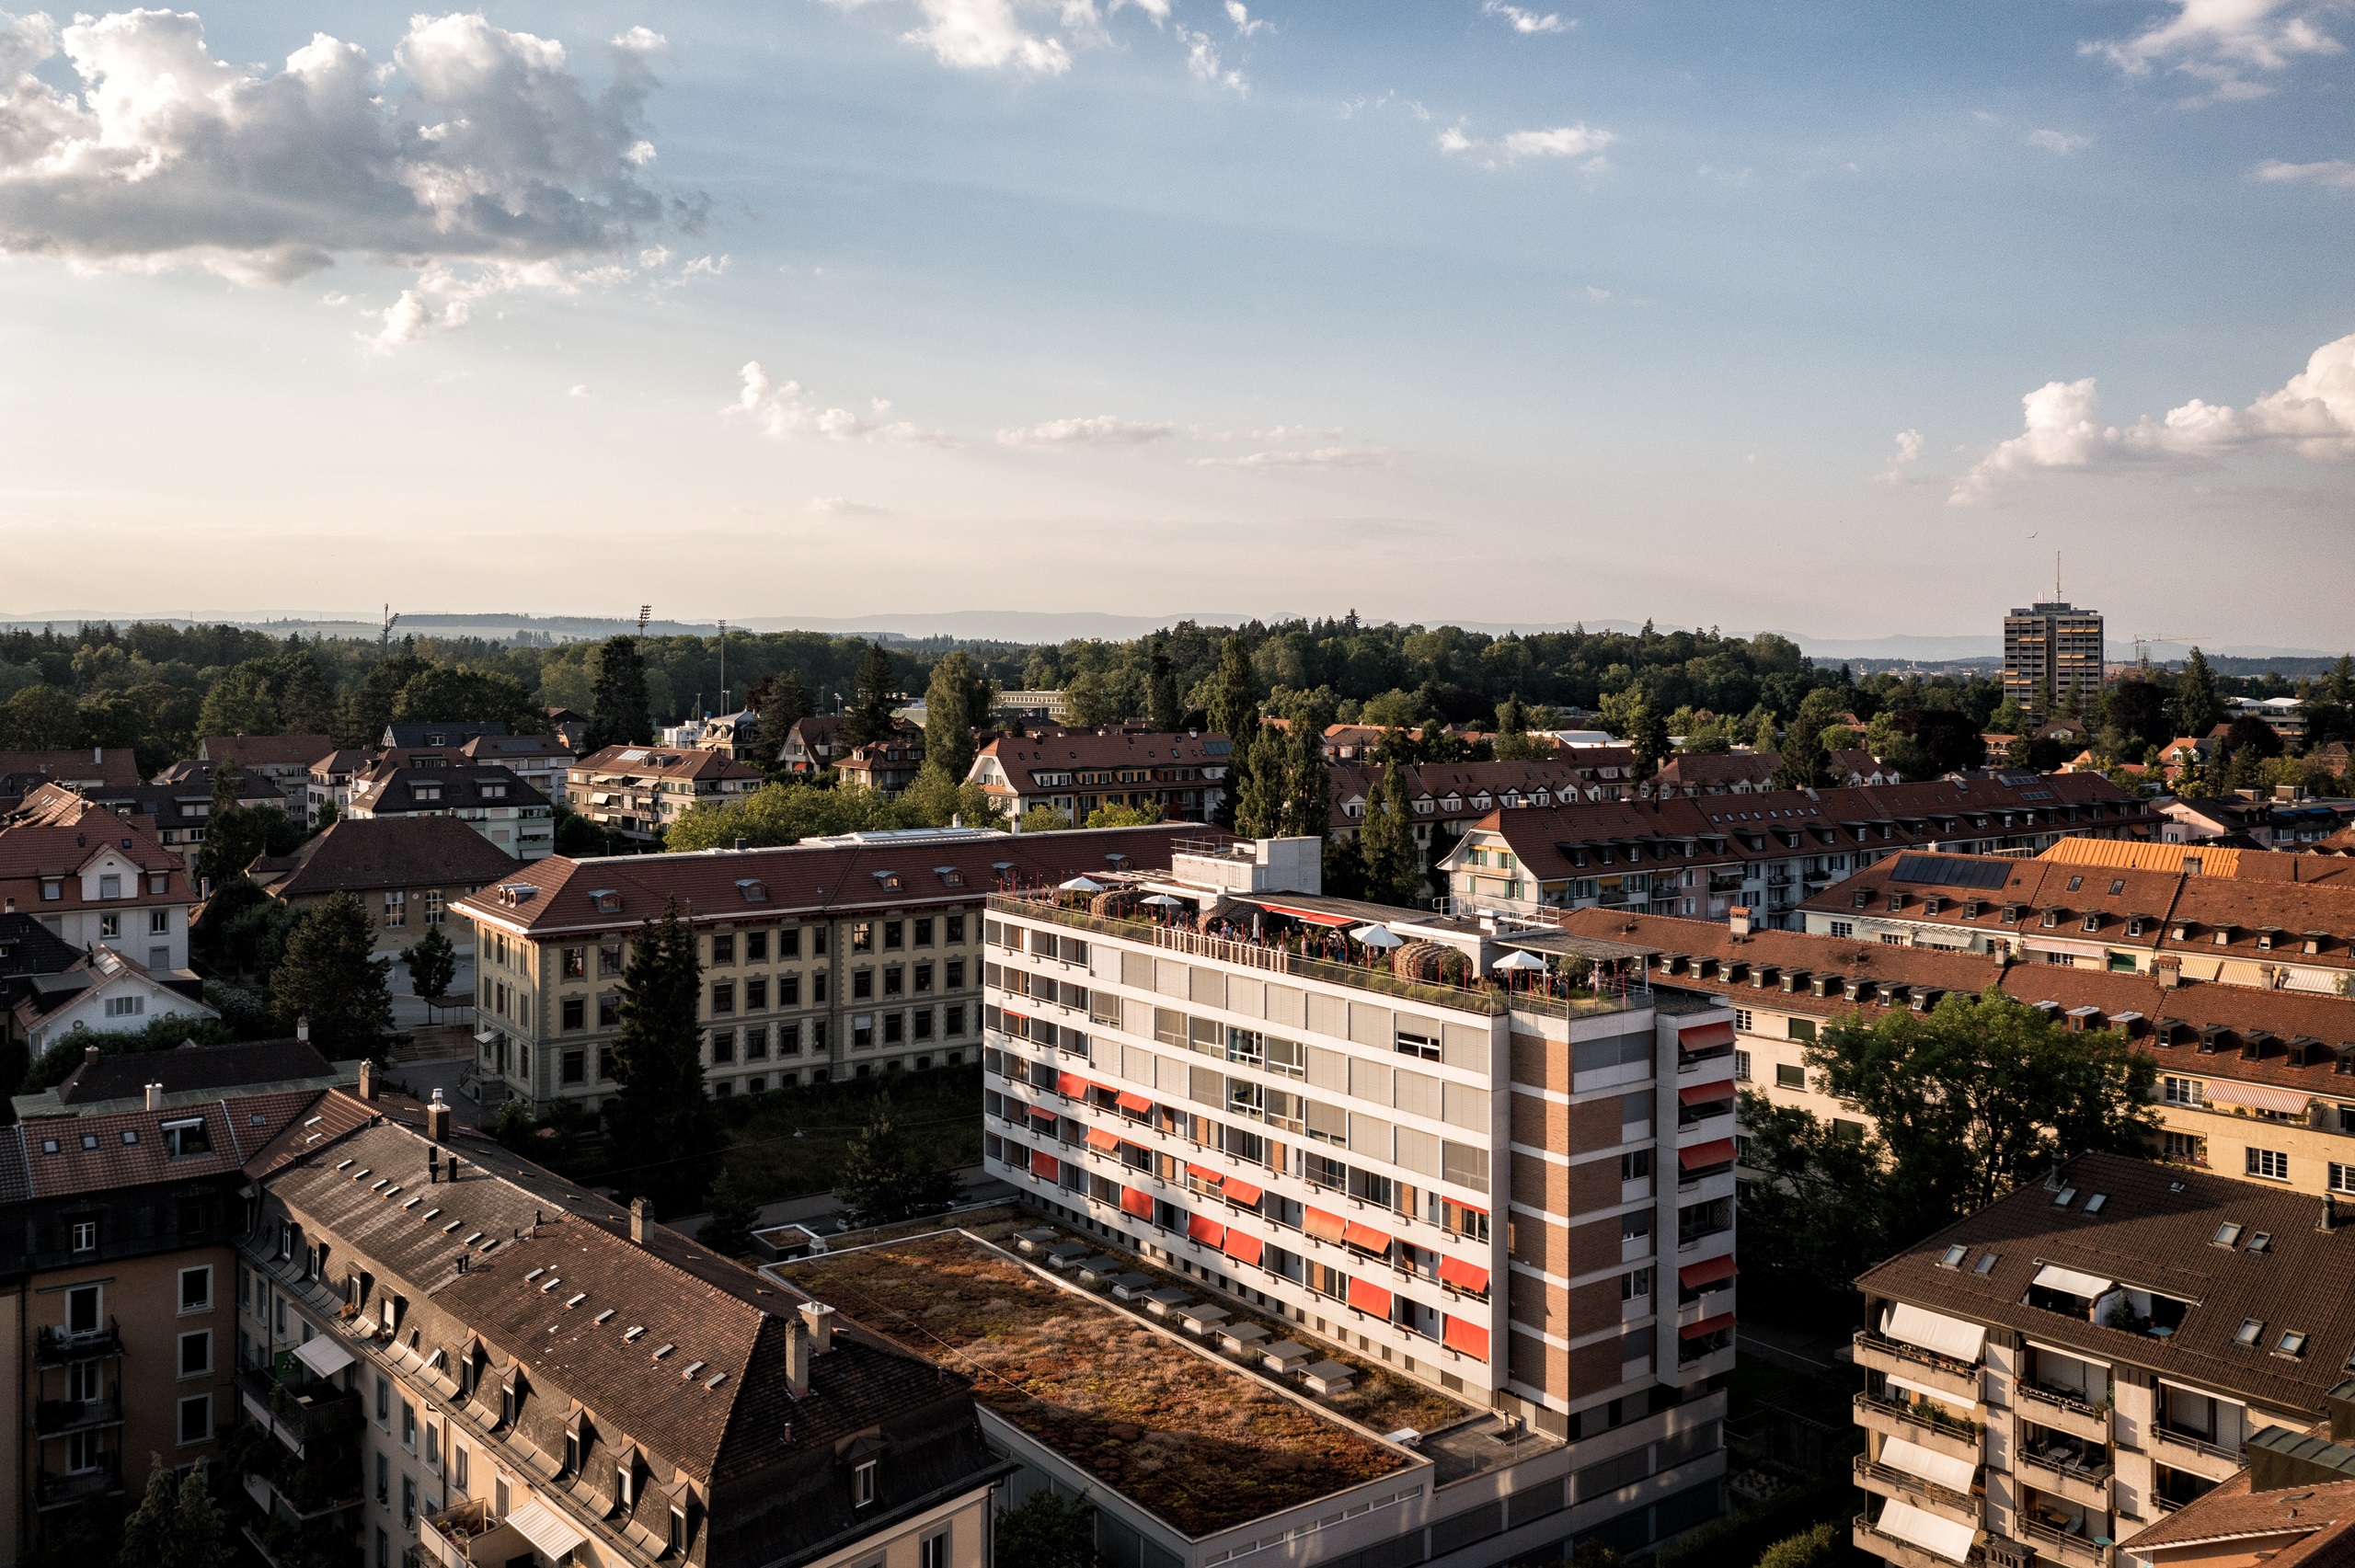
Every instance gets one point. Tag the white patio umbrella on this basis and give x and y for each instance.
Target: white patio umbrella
(1165, 900)
(1082, 885)
(1517, 959)
(1378, 936)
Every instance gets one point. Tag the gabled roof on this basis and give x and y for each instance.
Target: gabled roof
(57, 832)
(662, 762)
(1063, 750)
(362, 854)
(446, 732)
(129, 1149)
(126, 1074)
(98, 970)
(264, 750)
(29, 948)
(22, 771)
(2319, 1520)
(385, 791)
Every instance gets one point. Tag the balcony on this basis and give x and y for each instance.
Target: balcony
(1911, 1362)
(1887, 1481)
(56, 1418)
(56, 1347)
(1904, 1553)
(467, 1535)
(2058, 1545)
(298, 1415)
(2190, 1451)
(2055, 1472)
(2063, 1412)
(55, 1491)
(296, 1506)
(1917, 1423)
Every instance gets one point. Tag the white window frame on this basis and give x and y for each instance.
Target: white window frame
(202, 1273)
(179, 1357)
(193, 1403)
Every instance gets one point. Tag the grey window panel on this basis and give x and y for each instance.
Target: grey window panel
(1419, 1152)
(1467, 1107)
(1331, 1121)
(1416, 1092)
(1171, 978)
(1136, 970)
(1328, 1069)
(1169, 1075)
(1207, 987)
(1369, 1136)
(1287, 1005)
(1328, 1015)
(1461, 1045)
(1246, 996)
(1206, 1086)
(1136, 1017)
(1371, 1025)
(1370, 1081)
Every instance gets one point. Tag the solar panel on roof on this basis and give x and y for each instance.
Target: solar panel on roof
(1950, 871)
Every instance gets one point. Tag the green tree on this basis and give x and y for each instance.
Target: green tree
(432, 963)
(885, 1181)
(873, 694)
(1308, 783)
(958, 700)
(1812, 1219)
(1091, 700)
(2197, 706)
(1256, 775)
(664, 1135)
(1512, 743)
(623, 714)
(1162, 708)
(330, 975)
(2009, 718)
(1816, 1547)
(241, 702)
(782, 701)
(459, 695)
(306, 701)
(361, 717)
(2339, 686)
(176, 1525)
(1762, 735)
(1234, 703)
(1047, 1529)
(1044, 819)
(730, 1217)
(1648, 738)
(1386, 841)
(1115, 816)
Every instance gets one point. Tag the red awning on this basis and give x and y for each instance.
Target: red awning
(1104, 1139)
(1135, 1103)
(1237, 1190)
(1463, 1275)
(1368, 1296)
(1693, 1275)
(1204, 1173)
(1044, 1164)
(1205, 1230)
(1136, 1201)
(1469, 1338)
(1700, 1036)
(1323, 1226)
(1313, 917)
(1706, 1094)
(1717, 1151)
(1071, 1085)
(1044, 1115)
(1240, 1246)
(1365, 1238)
(1706, 1325)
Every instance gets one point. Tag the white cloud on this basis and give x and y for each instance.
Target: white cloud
(1580, 141)
(581, 391)
(1203, 60)
(2335, 174)
(1240, 15)
(1319, 457)
(1525, 21)
(1297, 433)
(2312, 415)
(783, 408)
(411, 318)
(988, 35)
(1103, 430)
(841, 506)
(2217, 41)
(474, 144)
(1909, 450)
(2061, 143)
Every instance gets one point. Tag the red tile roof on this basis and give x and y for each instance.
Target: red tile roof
(662, 762)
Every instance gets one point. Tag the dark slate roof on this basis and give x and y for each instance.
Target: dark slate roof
(125, 1074)
(358, 855)
(454, 732)
(29, 948)
(387, 791)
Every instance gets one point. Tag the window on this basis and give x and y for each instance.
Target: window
(196, 1353)
(621, 1484)
(1636, 1285)
(1789, 1075)
(862, 1484)
(723, 997)
(2251, 1331)
(82, 1303)
(85, 1235)
(395, 909)
(894, 930)
(409, 1502)
(2270, 1164)
(862, 937)
(196, 1288)
(408, 1425)
(432, 1445)
(723, 949)
(678, 1532)
(955, 977)
(460, 1462)
(110, 886)
(159, 923)
(1742, 1020)
(2184, 1148)
(933, 1552)
(575, 1013)
(573, 1066)
(126, 1006)
(756, 995)
(924, 932)
(1636, 1165)
(384, 1400)
(1636, 1222)
(1741, 1067)
(576, 963)
(956, 930)
(1843, 928)
(895, 980)
(196, 1419)
(186, 1136)
(2181, 1090)
(861, 984)
(384, 1478)
(609, 1010)
(609, 959)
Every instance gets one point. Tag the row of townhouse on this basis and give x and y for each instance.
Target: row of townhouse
(1074, 772)
(1767, 853)
(820, 961)
(1522, 1199)
(639, 791)
(2253, 1084)
(2182, 926)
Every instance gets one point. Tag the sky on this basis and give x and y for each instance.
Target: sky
(1832, 319)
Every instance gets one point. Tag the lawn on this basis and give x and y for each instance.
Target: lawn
(789, 1142)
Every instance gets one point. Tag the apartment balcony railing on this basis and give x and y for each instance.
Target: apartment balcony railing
(59, 1348)
(2196, 1444)
(55, 1490)
(1889, 1480)
(298, 1415)
(2056, 1399)
(1904, 1553)
(55, 1417)
(2061, 1544)
(470, 1534)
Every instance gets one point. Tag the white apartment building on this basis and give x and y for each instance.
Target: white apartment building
(1524, 1198)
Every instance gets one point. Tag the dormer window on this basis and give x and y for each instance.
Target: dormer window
(2092, 922)
(605, 900)
(862, 1483)
(887, 880)
(753, 889)
(949, 875)
(2052, 919)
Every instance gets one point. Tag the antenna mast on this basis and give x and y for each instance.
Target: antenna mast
(2056, 576)
(723, 664)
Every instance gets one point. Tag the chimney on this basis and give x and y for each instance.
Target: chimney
(155, 1096)
(796, 1358)
(303, 1027)
(437, 1118)
(743, 842)
(89, 1055)
(819, 1319)
(1738, 922)
(367, 1087)
(640, 1212)
(452, 1174)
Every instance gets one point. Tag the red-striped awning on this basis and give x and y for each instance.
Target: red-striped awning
(1368, 1296)
(1135, 1103)
(1706, 1094)
(1365, 1238)
(1700, 1036)
(1463, 1275)
(1238, 1245)
(1706, 1325)
(1323, 1226)
(1717, 1151)
(1071, 1085)
(1044, 1164)
(1042, 1114)
(1136, 1201)
(1237, 1190)
(1469, 1338)
(1204, 1173)
(1313, 917)
(1708, 1271)
(1205, 1230)
(1104, 1139)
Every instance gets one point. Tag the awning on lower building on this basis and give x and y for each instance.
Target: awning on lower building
(1705, 1326)
(1470, 1338)
(1935, 1330)
(1944, 1538)
(1242, 1247)
(1708, 1271)
(1135, 1201)
(1365, 1238)
(1103, 1138)
(1136, 1104)
(1236, 1190)
(323, 1355)
(1203, 1229)
(1368, 1296)
(546, 1528)
(1701, 1156)
(2257, 1097)
(1463, 1275)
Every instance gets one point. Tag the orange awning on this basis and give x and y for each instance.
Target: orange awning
(1044, 1164)
(1368, 1296)
(1203, 1229)
(1708, 1271)
(1042, 1114)
(1706, 1094)
(1204, 1173)
(1323, 1226)
(1700, 1156)
(1313, 917)
(1136, 1201)
(1365, 1238)
(1706, 1325)
(1463, 1275)
(1240, 1246)
(1071, 1085)
(1136, 1104)
(1701, 1037)
(1469, 1338)
(1101, 1137)
(1237, 1190)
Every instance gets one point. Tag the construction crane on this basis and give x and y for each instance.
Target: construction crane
(2143, 645)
